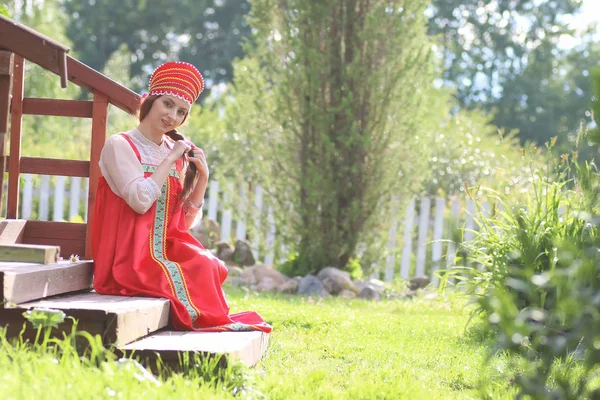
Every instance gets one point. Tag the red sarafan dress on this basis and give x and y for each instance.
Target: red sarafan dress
(152, 253)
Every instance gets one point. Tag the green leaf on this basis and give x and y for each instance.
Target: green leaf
(44, 317)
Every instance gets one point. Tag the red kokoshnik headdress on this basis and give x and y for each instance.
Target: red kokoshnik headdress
(177, 78)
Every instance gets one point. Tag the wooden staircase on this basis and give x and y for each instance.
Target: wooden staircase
(131, 324)
(137, 326)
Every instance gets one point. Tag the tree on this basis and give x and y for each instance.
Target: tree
(206, 33)
(504, 57)
(329, 106)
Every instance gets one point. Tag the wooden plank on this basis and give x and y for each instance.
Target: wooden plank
(409, 218)
(54, 166)
(452, 226)
(247, 347)
(51, 55)
(29, 253)
(270, 239)
(57, 108)
(226, 215)
(15, 138)
(98, 140)
(6, 63)
(74, 193)
(213, 199)
(438, 231)
(23, 282)
(123, 319)
(92, 80)
(27, 196)
(59, 198)
(240, 229)
(12, 230)
(32, 45)
(70, 237)
(6, 77)
(44, 198)
(258, 200)
(423, 234)
(390, 260)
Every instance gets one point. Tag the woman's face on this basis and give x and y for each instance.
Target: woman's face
(168, 112)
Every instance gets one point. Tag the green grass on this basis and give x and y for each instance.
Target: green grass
(330, 349)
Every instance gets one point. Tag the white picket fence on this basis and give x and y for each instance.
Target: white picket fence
(434, 224)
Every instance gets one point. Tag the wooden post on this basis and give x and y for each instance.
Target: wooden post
(6, 76)
(14, 166)
(99, 115)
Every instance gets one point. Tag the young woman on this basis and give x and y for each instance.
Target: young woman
(150, 193)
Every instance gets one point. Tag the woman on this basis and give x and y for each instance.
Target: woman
(150, 193)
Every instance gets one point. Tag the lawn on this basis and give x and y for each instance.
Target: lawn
(319, 349)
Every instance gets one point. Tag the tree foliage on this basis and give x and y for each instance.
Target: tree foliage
(505, 58)
(329, 107)
(206, 33)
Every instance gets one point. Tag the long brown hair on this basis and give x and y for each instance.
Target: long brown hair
(190, 174)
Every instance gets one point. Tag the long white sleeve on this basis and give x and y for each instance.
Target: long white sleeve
(124, 174)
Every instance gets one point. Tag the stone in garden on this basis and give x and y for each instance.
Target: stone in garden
(233, 270)
(310, 285)
(347, 294)
(335, 280)
(225, 254)
(224, 249)
(418, 282)
(372, 283)
(235, 281)
(369, 293)
(267, 284)
(207, 232)
(409, 295)
(290, 286)
(243, 253)
(376, 284)
(431, 296)
(256, 273)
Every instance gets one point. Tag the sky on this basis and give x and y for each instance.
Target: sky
(591, 11)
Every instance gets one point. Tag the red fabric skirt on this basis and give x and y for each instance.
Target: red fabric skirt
(153, 254)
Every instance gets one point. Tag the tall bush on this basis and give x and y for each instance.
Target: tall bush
(536, 278)
(329, 113)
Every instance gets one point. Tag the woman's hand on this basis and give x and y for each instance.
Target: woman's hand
(199, 160)
(180, 148)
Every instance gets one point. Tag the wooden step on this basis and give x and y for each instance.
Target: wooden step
(117, 319)
(22, 282)
(248, 347)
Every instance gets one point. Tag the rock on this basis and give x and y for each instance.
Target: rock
(256, 273)
(224, 251)
(372, 283)
(207, 232)
(267, 284)
(225, 255)
(376, 284)
(418, 282)
(290, 286)
(409, 295)
(347, 294)
(234, 271)
(369, 293)
(431, 296)
(243, 253)
(335, 280)
(235, 281)
(311, 285)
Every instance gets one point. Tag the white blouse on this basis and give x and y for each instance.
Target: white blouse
(123, 171)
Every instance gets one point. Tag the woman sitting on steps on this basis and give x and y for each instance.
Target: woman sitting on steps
(150, 193)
